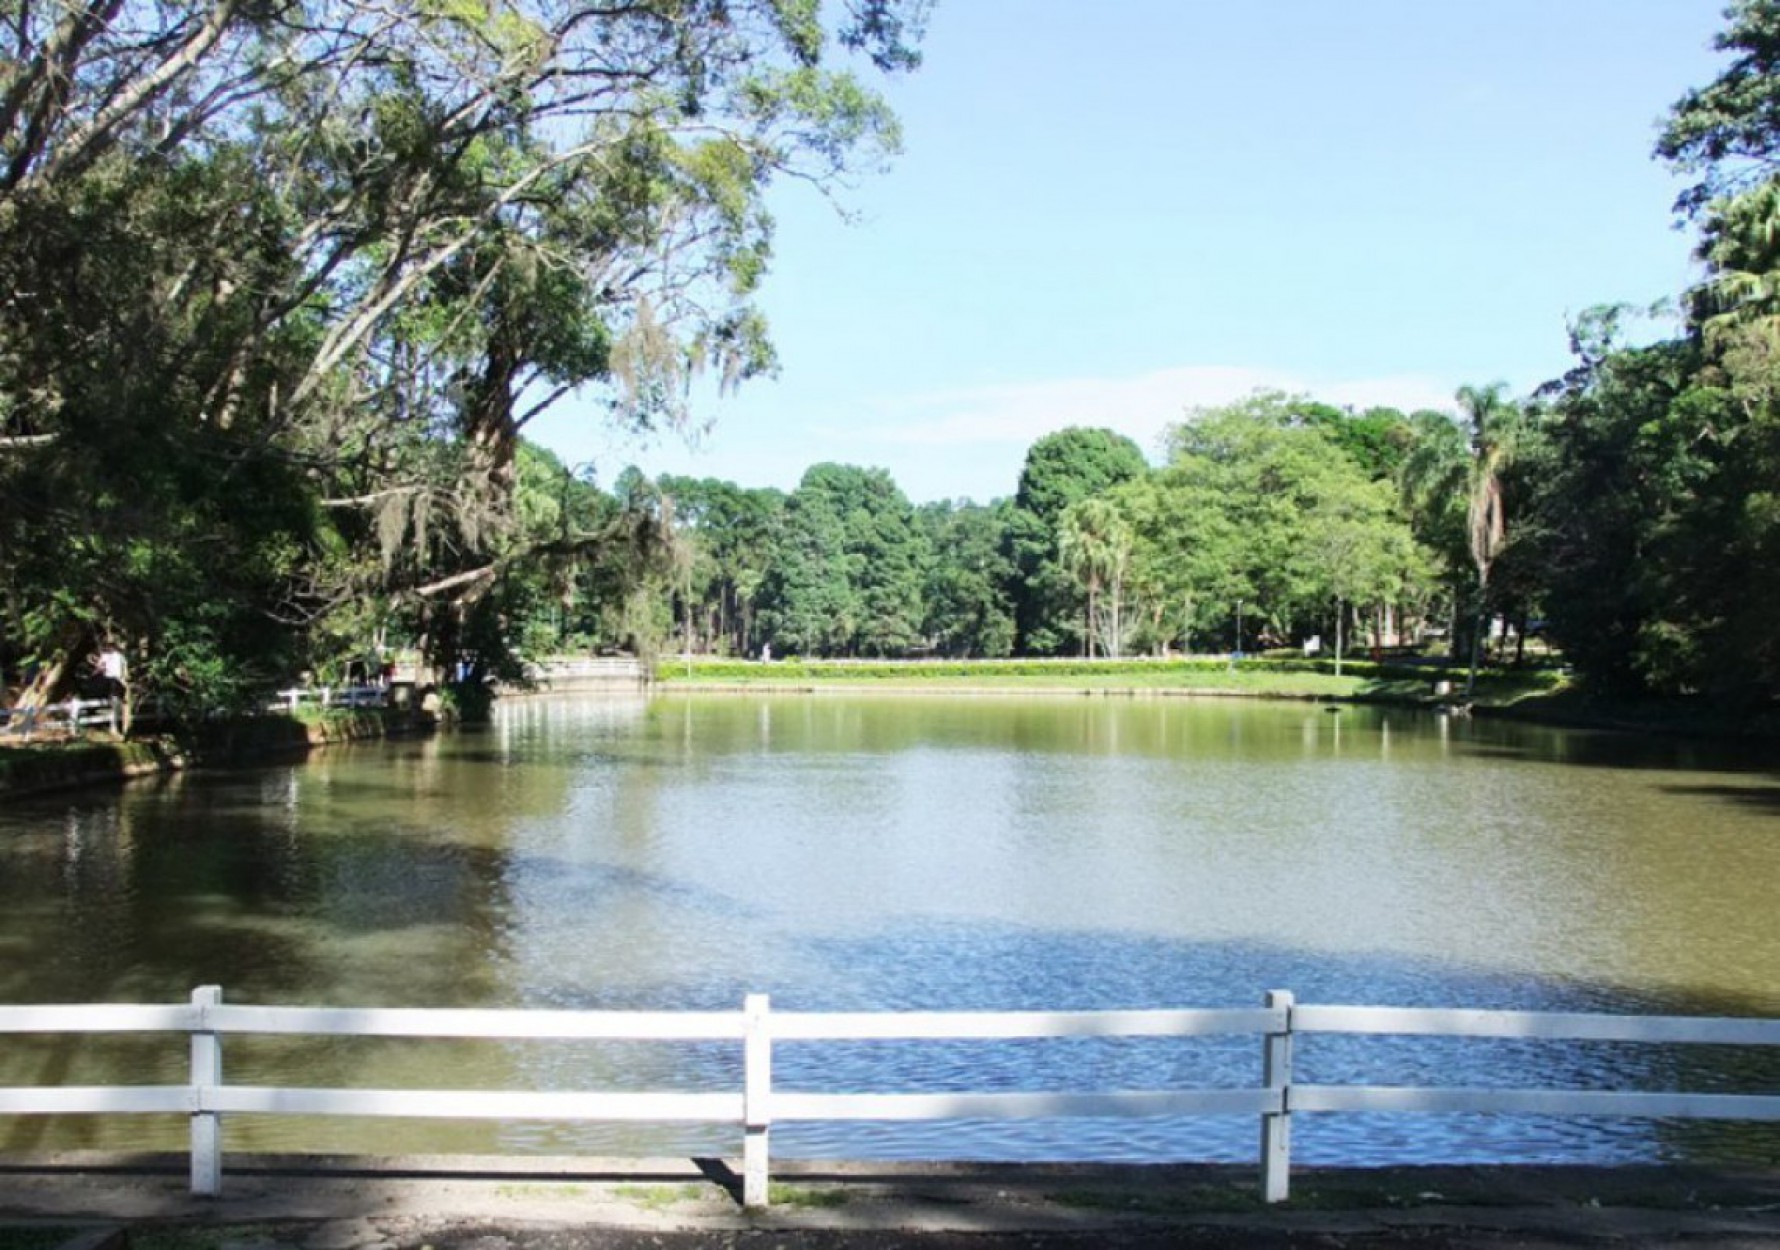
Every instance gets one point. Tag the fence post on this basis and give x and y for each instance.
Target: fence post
(206, 1075)
(1276, 1127)
(757, 1092)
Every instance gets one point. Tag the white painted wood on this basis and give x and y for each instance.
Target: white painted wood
(95, 1100)
(1276, 1125)
(98, 1018)
(962, 1025)
(457, 1104)
(207, 1073)
(1556, 1102)
(1025, 1106)
(1551, 1025)
(757, 1100)
(470, 1023)
(758, 1105)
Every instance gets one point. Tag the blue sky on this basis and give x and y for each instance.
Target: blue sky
(1107, 214)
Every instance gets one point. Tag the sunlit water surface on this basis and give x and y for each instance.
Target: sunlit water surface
(885, 853)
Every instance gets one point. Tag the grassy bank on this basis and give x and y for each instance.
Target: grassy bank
(1293, 678)
(1543, 695)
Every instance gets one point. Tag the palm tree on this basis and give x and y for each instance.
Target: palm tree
(1463, 463)
(1094, 542)
(1742, 251)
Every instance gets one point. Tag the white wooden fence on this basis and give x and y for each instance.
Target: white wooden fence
(759, 1105)
(72, 715)
(330, 697)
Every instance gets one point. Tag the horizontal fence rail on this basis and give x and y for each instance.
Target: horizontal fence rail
(71, 715)
(206, 1020)
(327, 697)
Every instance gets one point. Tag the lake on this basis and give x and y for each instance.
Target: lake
(884, 852)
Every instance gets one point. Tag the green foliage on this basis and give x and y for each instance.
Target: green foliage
(1727, 134)
(848, 567)
(1095, 541)
(1060, 469)
(967, 588)
(1280, 521)
(285, 288)
(1664, 541)
(281, 302)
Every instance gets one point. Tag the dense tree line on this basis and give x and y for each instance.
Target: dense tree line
(1276, 506)
(281, 288)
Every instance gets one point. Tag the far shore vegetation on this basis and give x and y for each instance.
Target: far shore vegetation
(287, 302)
(1252, 676)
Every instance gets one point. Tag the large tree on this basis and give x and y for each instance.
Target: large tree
(1726, 135)
(363, 246)
(1462, 465)
(1095, 542)
(967, 590)
(1060, 469)
(847, 572)
(732, 531)
(1286, 526)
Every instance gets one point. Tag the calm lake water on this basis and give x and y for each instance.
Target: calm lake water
(905, 852)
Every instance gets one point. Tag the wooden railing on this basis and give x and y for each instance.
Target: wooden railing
(759, 1105)
(330, 697)
(71, 715)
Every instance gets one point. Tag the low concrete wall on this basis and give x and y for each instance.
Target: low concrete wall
(590, 675)
(224, 744)
(30, 770)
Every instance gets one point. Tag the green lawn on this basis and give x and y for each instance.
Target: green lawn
(1263, 678)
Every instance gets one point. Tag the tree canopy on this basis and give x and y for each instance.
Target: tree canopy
(284, 286)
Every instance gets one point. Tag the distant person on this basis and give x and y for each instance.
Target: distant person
(111, 672)
(766, 653)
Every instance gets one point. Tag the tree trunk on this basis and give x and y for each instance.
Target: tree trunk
(1477, 626)
(1115, 641)
(1453, 621)
(52, 680)
(1340, 618)
(1089, 631)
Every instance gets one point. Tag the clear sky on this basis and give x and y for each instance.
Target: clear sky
(1109, 213)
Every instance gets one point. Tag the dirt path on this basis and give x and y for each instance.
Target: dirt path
(580, 1204)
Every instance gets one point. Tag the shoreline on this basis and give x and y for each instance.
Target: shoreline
(27, 770)
(1559, 710)
(33, 769)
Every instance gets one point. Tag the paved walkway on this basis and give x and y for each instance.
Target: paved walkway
(584, 1204)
